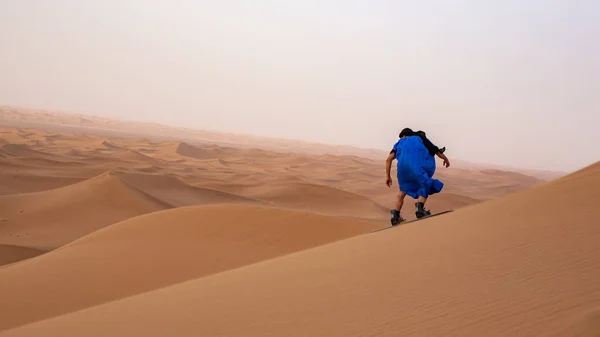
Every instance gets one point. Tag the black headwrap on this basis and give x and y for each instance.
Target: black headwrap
(428, 144)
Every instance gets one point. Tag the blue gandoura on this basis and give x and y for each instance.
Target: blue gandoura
(416, 165)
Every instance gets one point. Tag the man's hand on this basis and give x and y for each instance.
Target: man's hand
(444, 158)
(388, 181)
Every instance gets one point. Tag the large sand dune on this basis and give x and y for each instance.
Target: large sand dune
(156, 250)
(522, 265)
(98, 218)
(49, 219)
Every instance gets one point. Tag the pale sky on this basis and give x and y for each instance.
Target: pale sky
(507, 82)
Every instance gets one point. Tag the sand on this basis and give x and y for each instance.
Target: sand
(125, 234)
(159, 249)
(10, 253)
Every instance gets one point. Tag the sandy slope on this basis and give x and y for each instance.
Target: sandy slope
(49, 219)
(319, 199)
(156, 250)
(15, 183)
(10, 254)
(522, 265)
(176, 192)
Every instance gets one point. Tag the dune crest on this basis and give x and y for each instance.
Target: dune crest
(15, 183)
(10, 254)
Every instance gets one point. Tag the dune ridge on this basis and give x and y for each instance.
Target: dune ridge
(11, 253)
(495, 269)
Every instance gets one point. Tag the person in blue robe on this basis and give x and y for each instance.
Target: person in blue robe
(415, 155)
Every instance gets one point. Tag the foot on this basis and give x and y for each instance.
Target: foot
(396, 218)
(421, 212)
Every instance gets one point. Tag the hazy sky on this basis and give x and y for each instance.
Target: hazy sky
(509, 82)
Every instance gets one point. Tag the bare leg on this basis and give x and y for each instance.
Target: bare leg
(396, 218)
(400, 200)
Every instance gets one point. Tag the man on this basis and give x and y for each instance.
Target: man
(415, 168)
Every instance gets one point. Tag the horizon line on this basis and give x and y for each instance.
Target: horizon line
(263, 137)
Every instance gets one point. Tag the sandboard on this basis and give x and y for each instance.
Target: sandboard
(409, 221)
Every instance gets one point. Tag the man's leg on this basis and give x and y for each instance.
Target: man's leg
(400, 200)
(396, 218)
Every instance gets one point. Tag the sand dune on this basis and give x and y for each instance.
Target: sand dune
(125, 154)
(15, 183)
(522, 265)
(10, 254)
(176, 192)
(24, 152)
(156, 250)
(486, 184)
(49, 219)
(443, 202)
(319, 199)
(187, 150)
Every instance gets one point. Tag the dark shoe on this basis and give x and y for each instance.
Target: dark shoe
(396, 218)
(421, 212)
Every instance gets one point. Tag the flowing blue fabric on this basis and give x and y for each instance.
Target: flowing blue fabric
(416, 168)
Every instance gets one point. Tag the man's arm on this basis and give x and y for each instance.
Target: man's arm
(388, 167)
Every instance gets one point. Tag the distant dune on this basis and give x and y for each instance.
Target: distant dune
(175, 192)
(112, 228)
(319, 199)
(187, 150)
(64, 122)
